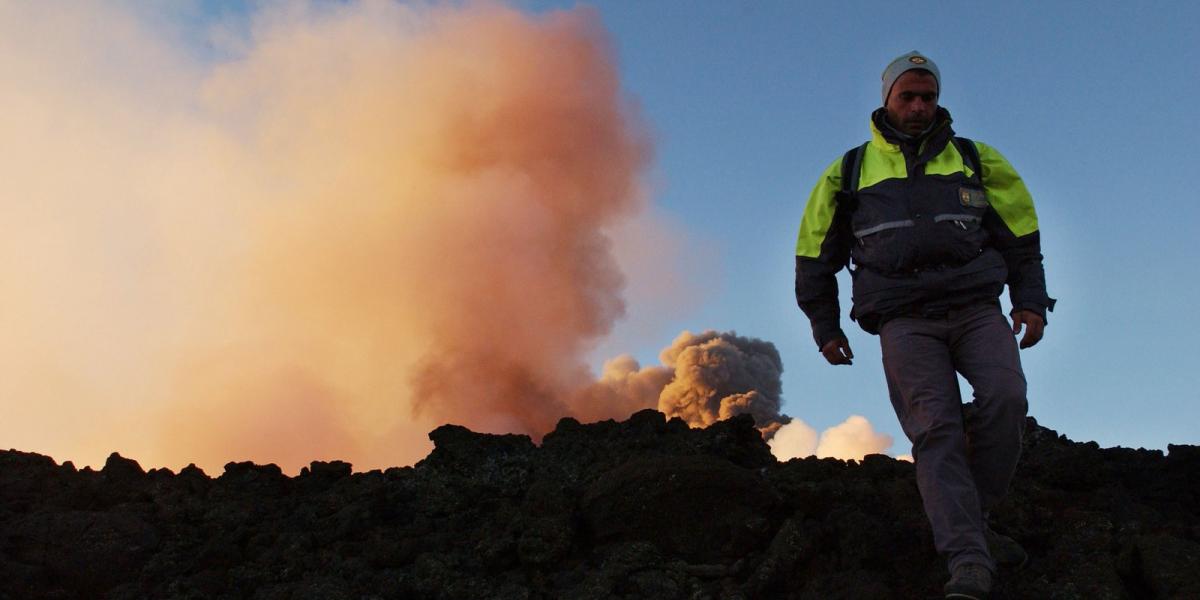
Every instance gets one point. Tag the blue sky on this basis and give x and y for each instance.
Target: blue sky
(1091, 102)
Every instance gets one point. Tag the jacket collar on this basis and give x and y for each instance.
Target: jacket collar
(888, 139)
(917, 150)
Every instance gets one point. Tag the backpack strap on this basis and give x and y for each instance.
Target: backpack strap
(966, 149)
(852, 168)
(847, 197)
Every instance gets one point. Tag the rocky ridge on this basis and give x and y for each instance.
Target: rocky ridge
(645, 508)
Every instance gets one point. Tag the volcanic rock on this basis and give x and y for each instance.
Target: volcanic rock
(644, 508)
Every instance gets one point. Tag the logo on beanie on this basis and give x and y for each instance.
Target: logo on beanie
(917, 60)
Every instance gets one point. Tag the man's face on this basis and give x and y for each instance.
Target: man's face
(913, 102)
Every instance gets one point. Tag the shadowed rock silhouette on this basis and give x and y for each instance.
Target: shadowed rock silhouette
(644, 508)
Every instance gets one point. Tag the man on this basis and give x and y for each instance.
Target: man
(936, 227)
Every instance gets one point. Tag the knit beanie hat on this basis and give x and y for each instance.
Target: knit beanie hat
(904, 63)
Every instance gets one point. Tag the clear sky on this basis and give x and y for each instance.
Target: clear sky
(149, 148)
(1092, 102)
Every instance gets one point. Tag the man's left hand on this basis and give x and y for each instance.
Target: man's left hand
(1034, 326)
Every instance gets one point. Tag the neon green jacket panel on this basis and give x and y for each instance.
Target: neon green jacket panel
(818, 213)
(882, 160)
(1006, 192)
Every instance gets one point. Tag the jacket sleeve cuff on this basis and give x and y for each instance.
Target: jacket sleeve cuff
(822, 335)
(1035, 307)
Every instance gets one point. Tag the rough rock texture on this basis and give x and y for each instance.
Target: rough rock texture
(646, 508)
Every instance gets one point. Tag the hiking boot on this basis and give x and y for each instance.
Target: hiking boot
(1005, 550)
(969, 581)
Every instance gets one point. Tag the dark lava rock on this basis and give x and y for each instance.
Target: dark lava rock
(118, 468)
(661, 500)
(84, 551)
(644, 508)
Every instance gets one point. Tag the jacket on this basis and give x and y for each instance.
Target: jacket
(925, 231)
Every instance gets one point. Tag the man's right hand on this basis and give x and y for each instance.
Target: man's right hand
(837, 351)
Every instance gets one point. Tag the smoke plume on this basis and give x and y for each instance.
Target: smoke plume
(361, 221)
(712, 376)
(322, 235)
(720, 375)
(704, 378)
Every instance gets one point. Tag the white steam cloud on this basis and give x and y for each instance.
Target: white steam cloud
(851, 439)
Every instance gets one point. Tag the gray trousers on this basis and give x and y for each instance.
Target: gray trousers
(964, 465)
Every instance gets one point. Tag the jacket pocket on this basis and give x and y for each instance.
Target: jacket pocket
(964, 221)
(866, 231)
(887, 247)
